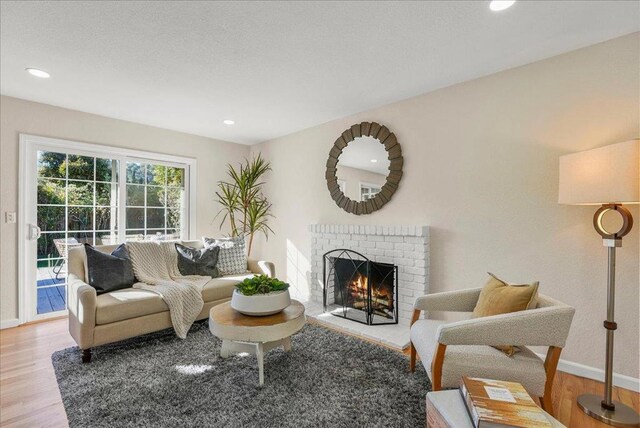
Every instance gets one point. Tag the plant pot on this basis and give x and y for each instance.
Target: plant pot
(260, 305)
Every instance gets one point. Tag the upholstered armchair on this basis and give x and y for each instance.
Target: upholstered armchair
(450, 350)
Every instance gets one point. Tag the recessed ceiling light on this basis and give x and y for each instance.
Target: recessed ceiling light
(374, 160)
(498, 5)
(38, 73)
(228, 122)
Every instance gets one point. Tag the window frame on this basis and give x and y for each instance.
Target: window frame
(93, 231)
(187, 202)
(370, 186)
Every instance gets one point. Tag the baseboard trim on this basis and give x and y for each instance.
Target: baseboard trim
(577, 369)
(9, 323)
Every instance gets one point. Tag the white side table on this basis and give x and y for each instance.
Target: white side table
(255, 335)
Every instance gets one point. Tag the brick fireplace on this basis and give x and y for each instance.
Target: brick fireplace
(406, 247)
(360, 289)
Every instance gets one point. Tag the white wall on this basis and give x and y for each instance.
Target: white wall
(20, 116)
(481, 169)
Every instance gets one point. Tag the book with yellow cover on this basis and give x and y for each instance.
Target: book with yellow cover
(497, 404)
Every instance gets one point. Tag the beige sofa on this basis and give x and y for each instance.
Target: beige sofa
(97, 320)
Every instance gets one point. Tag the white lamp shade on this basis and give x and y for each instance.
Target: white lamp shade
(609, 174)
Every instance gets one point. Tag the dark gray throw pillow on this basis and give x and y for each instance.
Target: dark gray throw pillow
(109, 272)
(193, 261)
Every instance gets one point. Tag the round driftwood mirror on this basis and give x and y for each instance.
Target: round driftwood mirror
(364, 168)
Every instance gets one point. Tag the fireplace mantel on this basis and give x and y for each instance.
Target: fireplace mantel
(375, 230)
(401, 245)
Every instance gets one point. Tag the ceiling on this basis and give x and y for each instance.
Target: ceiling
(276, 67)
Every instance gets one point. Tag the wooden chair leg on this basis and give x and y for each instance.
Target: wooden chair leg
(86, 355)
(436, 367)
(412, 350)
(550, 366)
(412, 360)
(546, 404)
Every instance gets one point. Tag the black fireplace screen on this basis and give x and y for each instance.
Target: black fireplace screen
(360, 289)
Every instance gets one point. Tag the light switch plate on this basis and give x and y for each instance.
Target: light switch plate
(10, 217)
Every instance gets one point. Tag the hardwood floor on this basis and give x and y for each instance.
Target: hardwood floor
(29, 395)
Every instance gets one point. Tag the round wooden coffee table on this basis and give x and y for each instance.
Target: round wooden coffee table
(255, 335)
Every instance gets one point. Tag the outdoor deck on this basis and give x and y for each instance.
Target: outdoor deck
(52, 293)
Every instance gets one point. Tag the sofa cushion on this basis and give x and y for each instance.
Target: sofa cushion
(128, 303)
(132, 302)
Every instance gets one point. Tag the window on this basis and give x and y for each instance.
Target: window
(154, 201)
(77, 198)
(368, 191)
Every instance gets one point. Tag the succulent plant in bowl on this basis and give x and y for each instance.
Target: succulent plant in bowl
(260, 295)
(261, 284)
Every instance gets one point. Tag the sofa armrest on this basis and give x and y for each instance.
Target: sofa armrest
(262, 267)
(82, 311)
(449, 301)
(534, 327)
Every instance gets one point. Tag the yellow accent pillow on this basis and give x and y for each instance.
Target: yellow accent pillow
(499, 297)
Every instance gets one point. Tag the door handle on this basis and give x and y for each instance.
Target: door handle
(34, 232)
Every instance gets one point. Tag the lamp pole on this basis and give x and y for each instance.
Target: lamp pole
(607, 410)
(610, 324)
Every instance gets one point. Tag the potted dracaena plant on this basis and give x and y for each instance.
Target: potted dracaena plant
(242, 202)
(260, 295)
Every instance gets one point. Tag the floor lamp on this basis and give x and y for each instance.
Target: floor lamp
(607, 176)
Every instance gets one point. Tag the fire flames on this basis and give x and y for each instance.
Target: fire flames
(381, 295)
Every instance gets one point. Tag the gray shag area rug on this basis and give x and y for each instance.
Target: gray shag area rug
(327, 380)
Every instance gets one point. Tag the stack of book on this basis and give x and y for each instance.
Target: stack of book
(494, 404)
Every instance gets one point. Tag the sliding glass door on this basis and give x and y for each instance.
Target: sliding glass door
(77, 199)
(74, 196)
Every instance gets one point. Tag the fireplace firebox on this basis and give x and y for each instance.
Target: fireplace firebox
(360, 289)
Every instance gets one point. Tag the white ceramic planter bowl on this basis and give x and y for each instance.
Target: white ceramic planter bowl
(260, 305)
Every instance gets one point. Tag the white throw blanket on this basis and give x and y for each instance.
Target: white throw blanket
(155, 264)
